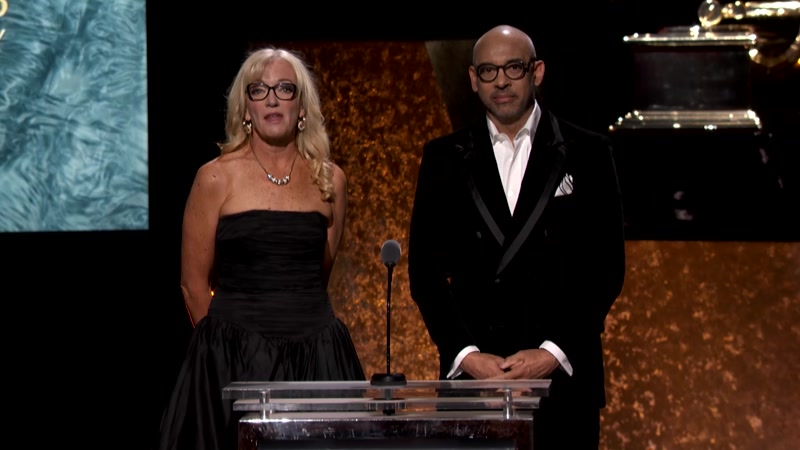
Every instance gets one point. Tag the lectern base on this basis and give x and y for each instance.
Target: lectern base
(373, 431)
(389, 414)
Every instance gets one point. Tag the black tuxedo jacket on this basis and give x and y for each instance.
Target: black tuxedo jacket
(504, 283)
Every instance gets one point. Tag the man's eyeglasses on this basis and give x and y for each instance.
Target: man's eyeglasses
(514, 70)
(259, 91)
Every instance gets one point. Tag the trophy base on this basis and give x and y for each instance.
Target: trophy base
(677, 69)
(688, 119)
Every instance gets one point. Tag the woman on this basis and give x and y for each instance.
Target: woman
(266, 218)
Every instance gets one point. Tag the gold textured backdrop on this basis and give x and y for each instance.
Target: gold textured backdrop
(701, 346)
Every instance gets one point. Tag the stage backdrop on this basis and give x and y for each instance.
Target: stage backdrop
(698, 329)
(73, 116)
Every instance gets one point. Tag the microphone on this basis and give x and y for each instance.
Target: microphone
(390, 254)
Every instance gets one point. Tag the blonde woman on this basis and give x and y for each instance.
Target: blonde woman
(266, 218)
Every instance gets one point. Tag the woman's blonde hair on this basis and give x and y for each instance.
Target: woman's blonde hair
(312, 143)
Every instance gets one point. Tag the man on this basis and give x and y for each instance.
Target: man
(516, 249)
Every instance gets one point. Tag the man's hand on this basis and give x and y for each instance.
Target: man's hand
(528, 364)
(482, 365)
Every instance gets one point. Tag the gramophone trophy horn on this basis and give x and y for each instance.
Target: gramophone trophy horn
(712, 13)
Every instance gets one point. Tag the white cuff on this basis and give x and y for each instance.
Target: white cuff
(455, 370)
(560, 356)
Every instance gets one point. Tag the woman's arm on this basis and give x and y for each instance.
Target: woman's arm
(200, 219)
(336, 229)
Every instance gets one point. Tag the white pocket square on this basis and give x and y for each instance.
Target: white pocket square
(565, 188)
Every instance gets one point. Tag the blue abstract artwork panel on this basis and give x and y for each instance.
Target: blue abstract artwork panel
(73, 115)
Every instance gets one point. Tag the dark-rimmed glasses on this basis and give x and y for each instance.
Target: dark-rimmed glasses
(259, 91)
(514, 70)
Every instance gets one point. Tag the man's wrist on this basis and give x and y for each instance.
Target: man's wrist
(455, 369)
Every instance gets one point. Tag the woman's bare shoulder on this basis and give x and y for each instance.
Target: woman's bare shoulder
(339, 177)
(220, 168)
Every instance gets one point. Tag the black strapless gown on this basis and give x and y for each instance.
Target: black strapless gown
(270, 320)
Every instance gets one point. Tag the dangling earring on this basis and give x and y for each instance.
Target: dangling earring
(248, 126)
(301, 124)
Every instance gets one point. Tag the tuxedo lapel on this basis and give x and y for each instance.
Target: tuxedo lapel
(544, 171)
(544, 151)
(480, 171)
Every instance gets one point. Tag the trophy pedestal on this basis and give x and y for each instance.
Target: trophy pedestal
(692, 183)
(692, 159)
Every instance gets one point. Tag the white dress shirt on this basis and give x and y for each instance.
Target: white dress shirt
(512, 159)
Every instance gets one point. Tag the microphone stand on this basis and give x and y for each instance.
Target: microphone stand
(388, 378)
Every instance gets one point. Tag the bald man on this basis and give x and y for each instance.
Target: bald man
(516, 249)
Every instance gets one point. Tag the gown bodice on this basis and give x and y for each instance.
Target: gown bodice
(268, 270)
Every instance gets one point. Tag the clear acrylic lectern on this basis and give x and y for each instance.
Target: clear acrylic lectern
(431, 415)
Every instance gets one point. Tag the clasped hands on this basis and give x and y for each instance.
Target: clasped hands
(525, 364)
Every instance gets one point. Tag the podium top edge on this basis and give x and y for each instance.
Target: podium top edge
(267, 386)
